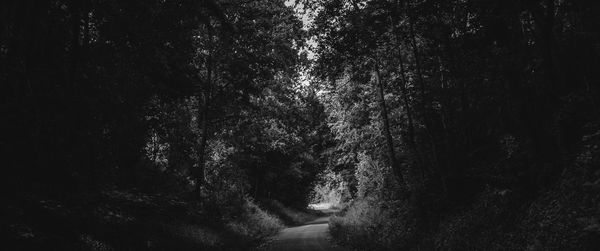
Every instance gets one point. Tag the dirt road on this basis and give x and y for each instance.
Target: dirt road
(313, 235)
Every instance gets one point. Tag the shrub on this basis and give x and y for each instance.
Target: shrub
(368, 224)
(255, 222)
(287, 214)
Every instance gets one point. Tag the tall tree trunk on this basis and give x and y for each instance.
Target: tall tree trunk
(410, 138)
(203, 112)
(424, 99)
(413, 41)
(409, 117)
(386, 128)
(445, 114)
(403, 86)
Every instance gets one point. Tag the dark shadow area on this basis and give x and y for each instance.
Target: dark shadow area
(154, 125)
(212, 125)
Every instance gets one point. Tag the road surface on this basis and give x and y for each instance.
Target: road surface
(313, 235)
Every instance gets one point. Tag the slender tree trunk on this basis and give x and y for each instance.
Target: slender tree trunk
(202, 144)
(444, 117)
(424, 98)
(411, 131)
(413, 40)
(203, 110)
(386, 128)
(409, 117)
(403, 87)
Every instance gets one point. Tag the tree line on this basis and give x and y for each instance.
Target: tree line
(198, 96)
(435, 103)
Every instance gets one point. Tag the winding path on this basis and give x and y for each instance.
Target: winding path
(313, 235)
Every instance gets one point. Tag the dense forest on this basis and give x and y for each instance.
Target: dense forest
(213, 124)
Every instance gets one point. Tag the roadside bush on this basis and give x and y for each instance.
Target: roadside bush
(368, 224)
(255, 222)
(376, 219)
(289, 215)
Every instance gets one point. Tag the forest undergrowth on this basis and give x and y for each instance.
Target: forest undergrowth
(133, 219)
(561, 216)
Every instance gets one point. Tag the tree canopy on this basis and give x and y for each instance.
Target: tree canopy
(434, 114)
